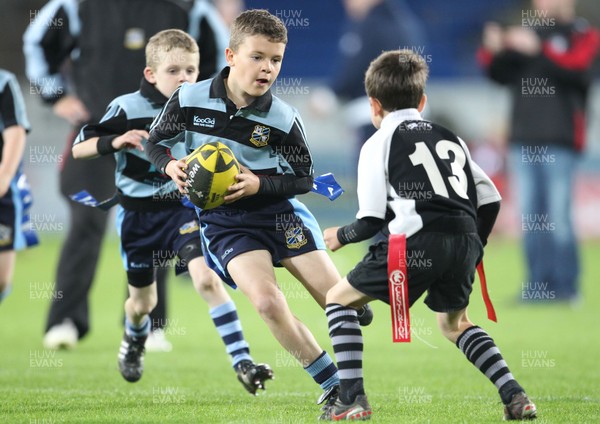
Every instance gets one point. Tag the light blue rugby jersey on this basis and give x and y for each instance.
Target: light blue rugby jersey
(135, 175)
(267, 136)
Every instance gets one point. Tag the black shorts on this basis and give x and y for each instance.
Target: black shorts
(285, 228)
(442, 264)
(151, 240)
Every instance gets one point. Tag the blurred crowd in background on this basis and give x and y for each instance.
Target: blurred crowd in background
(448, 34)
(452, 30)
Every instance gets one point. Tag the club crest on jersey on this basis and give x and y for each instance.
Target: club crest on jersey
(260, 136)
(189, 227)
(295, 238)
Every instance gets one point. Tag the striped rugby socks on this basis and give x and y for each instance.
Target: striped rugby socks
(324, 371)
(347, 341)
(228, 325)
(138, 331)
(481, 351)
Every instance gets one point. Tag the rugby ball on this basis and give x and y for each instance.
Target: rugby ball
(211, 169)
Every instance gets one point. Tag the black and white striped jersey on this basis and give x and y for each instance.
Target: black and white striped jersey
(412, 172)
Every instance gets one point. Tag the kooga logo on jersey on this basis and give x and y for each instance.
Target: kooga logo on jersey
(204, 122)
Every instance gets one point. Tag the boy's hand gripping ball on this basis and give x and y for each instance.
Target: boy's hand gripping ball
(211, 169)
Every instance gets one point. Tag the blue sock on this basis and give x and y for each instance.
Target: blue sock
(228, 325)
(138, 331)
(324, 371)
(5, 292)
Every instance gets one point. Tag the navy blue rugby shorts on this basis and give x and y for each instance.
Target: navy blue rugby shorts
(153, 239)
(285, 228)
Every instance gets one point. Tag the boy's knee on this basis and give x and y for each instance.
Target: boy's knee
(143, 306)
(448, 329)
(271, 307)
(343, 293)
(452, 325)
(206, 282)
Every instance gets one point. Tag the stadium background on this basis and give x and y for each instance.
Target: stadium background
(453, 32)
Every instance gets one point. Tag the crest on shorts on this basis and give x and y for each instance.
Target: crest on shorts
(260, 136)
(189, 227)
(295, 238)
(5, 235)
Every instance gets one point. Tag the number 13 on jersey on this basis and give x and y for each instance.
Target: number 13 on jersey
(458, 180)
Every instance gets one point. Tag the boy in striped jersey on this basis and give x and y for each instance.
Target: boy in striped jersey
(261, 224)
(152, 221)
(417, 184)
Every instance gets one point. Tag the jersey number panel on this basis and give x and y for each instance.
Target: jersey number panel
(458, 180)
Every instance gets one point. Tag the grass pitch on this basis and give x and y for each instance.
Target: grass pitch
(551, 350)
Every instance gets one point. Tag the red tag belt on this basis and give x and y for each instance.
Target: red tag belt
(398, 286)
(398, 289)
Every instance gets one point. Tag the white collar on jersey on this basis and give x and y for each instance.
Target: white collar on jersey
(396, 117)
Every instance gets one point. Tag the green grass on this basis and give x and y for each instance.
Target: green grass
(551, 349)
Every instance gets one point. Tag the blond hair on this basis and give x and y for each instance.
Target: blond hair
(257, 22)
(397, 79)
(164, 41)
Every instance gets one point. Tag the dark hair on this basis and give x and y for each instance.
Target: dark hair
(397, 79)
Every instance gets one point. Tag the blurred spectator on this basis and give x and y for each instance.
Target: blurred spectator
(546, 62)
(81, 55)
(371, 27)
(453, 32)
(229, 9)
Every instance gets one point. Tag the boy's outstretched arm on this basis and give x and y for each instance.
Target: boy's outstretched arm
(359, 230)
(111, 134)
(97, 146)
